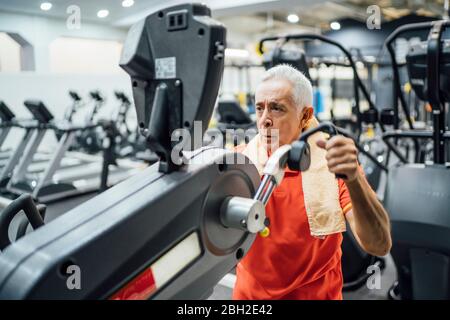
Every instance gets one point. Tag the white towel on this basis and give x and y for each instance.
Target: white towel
(320, 187)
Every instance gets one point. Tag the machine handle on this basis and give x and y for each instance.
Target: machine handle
(326, 127)
(26, 203)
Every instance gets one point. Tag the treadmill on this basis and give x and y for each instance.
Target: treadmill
(34, 132)
(57, 182)
(9, 121)
(6, 117)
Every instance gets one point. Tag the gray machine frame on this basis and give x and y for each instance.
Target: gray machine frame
(130, 225)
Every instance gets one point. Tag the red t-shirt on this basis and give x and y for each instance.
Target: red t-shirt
(290, 263)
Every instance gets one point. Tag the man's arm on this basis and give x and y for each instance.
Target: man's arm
(368, 219)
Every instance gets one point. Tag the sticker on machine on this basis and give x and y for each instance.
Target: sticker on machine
(166, 68)
(161, 271)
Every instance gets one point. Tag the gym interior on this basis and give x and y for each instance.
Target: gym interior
(99, 199)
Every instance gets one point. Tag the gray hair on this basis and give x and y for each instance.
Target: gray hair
(301, 87)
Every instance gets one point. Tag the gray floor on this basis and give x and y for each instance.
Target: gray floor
(388, 276)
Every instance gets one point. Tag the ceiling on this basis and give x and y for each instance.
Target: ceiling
(247, 16)
(88, 8)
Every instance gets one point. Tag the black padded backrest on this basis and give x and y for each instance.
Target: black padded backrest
(231, 112)
(294, 57)
(39, 110)
(6, 115)
(417, 199)
(417, 69)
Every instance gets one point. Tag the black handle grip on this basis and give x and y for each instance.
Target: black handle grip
(24, 202)
(22, 229)
(326, 127)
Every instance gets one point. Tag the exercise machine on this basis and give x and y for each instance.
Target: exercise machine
(34, 133)
(53, 184)
(233, 121)
(417, 194)
(7, 118)
(90, 140)
(77, 103)
(175, 229)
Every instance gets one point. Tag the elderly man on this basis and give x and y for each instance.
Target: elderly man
(301, 257)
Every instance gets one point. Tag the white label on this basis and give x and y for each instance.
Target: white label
(166, 68)
(173, 261)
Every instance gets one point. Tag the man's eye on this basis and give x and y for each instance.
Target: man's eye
(259, 109)
(276, 108)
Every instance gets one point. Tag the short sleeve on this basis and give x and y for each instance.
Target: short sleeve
(344, 197)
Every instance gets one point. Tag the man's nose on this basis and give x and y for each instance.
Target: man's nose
(266, 121)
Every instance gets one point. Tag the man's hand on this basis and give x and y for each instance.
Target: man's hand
(368, 219)
(342, 156)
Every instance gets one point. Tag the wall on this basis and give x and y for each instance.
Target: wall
(80, 60)
(41, 32)
(84, 56)
(53, 89)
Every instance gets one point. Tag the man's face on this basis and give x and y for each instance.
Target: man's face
(278, 118)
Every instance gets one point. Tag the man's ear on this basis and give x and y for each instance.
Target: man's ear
(307, 114)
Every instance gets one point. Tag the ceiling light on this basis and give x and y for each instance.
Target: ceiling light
(45, 6)
(127, 3)
(293, 18)
(102, 13)
(335, 25)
